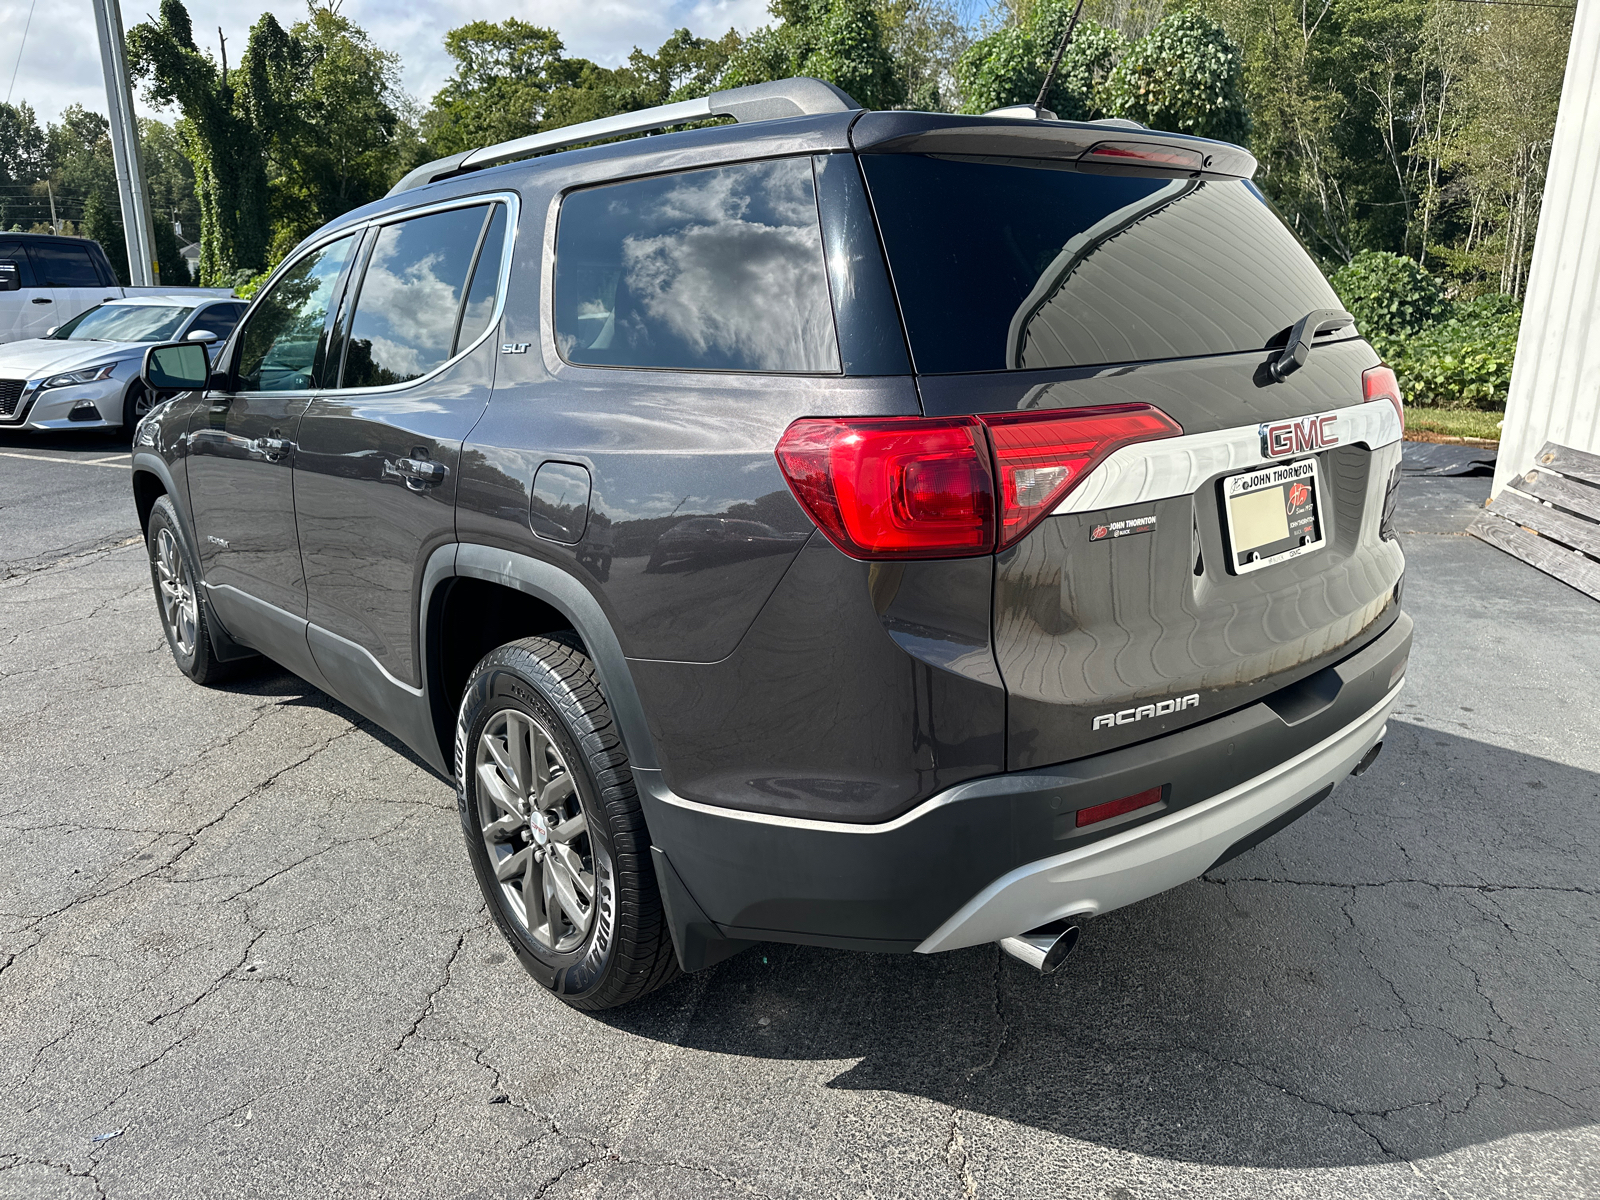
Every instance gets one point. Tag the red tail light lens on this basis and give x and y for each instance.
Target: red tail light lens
(1380, 383)
(1115, 808)
(1040, 457)
(913, 487)
(893, 487)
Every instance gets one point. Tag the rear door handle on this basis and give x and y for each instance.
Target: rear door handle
(418, 473)
(272, 448)
(43, 300)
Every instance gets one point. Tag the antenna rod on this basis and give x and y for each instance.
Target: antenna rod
(1050, 75)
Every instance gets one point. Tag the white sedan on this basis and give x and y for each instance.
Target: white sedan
(85, 375)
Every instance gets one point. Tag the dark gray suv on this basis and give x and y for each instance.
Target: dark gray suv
(883, 530)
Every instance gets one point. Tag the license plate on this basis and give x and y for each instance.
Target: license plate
(1274, 514)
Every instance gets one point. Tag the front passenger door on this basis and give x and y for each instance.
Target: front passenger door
(241, 461)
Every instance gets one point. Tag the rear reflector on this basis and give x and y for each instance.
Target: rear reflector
(1380, 383)
(914, 487)
(1145, 154)
(1115, 808)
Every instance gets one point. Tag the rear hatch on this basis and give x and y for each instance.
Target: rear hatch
(1226, 549)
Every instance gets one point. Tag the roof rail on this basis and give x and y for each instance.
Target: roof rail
(796, 97)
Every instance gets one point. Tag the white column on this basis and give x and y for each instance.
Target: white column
(125, 144)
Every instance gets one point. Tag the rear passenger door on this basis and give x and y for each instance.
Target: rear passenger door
(70, 272)
(378, 452)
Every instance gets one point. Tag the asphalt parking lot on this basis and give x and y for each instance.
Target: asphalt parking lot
(241, 953)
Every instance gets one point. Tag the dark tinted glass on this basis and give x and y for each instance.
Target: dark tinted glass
(61, 265)
(1012, 265)
(405, 316)
(719, 269)
(15, 253)
(218, 319)
(278, 349)
(485, 281)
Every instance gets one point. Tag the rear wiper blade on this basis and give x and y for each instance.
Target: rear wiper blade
(1294, 354)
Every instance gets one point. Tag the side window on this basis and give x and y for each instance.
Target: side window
(278, 350)
(63, 265)
(479, 307)
(717, 269)
(409, 305)
(15, 252)
(218, 319)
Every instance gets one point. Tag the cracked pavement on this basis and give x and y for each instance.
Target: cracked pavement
(241, 954)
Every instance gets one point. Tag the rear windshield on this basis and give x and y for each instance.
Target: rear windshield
(1020, 263)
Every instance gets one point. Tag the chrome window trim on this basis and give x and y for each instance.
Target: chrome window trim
(358, 230)
(513, 204)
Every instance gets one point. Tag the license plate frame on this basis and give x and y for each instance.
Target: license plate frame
(1252, 520)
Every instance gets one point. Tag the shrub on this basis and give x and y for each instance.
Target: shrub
(1390, 296)
(1463, 361)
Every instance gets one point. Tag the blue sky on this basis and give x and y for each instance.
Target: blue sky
(59, 62)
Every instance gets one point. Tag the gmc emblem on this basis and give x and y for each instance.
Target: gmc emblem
(1298, 437)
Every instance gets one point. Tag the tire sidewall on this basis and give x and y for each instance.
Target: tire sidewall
(500, 685)
(130, 401)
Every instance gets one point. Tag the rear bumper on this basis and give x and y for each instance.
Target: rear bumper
(1001, 855)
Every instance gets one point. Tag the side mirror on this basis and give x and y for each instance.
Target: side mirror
(176, 367)
(10, 275)
(200, 335)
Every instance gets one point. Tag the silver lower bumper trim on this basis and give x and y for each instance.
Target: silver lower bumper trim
(1149, 859)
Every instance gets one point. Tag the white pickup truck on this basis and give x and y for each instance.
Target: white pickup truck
(47, 280)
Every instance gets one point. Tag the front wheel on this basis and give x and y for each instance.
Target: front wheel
(554, 829)
(176, 580)
(135, 406)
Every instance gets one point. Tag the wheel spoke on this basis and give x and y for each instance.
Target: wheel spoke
(557, 791)
(502, 829)
(507, 868)
(519, 731)
(498, 753)
(569, 829)
(539, 747)
(559, 880)
(490, 782)
(572, 865)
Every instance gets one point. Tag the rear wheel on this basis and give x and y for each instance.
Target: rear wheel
(554, 829)
(183, 617)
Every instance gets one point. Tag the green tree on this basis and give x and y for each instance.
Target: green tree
(1185, 75)
(504, 75)
(841, 42)
(1009, 65)
(925, 39)
(23, 162)
(224, 144)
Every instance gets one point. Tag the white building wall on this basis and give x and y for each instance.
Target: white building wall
(1555, 385)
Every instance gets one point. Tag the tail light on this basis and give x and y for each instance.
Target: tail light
(1380, 383)
(1115, 808)
(913, 487)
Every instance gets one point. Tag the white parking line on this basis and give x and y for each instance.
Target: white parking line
(77, 462)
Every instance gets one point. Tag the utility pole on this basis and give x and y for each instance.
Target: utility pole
(55, 225)
(142, 271)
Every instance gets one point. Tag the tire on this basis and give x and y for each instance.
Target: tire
(135, 405)
(533, 719)
(174, 574)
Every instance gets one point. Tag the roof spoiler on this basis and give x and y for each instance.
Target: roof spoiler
(798, 97)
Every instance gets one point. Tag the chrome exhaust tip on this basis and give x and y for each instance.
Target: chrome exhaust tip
(1046, 948)
(1367, 759)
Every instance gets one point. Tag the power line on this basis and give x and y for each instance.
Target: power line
(25, 27)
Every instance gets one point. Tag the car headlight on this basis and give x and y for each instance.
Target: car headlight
(86, 375)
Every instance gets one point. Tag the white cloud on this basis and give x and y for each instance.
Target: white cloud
(60, 64)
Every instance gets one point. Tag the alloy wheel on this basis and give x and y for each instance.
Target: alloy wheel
(178, 605)
(535, 830)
